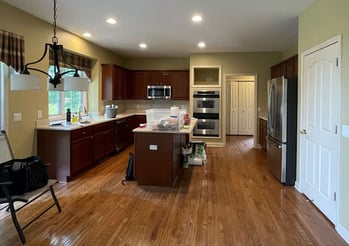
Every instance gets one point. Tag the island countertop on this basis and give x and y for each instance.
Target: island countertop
(180, 131)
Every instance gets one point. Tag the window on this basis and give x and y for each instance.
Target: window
(60, 101)
(5, 72)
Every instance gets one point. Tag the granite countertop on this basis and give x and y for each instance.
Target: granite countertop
(86, 121)
(263, 115)
(180, 131)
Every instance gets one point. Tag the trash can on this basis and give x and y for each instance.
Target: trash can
(198, 156)
(186, 152)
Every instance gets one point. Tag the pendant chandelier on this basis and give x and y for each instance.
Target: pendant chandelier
(26, 81)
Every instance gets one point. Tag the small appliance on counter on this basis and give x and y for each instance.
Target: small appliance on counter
(111, 111)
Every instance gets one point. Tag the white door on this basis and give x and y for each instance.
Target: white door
(246, 97)
(234, 108)
(242, 108)
(319, 139)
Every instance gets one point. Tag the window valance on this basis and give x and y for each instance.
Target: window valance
(12, 50)
(80, 62)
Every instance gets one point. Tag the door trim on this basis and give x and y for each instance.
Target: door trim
(301, 172)
(227, 79)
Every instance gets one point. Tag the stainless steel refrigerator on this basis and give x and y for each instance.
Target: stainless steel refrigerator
(282, 129)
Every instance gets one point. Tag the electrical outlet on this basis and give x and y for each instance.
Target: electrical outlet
(17, 116)
(39, 114)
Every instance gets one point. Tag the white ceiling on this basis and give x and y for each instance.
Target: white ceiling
(166, 26)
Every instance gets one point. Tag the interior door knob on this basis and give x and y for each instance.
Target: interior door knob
(303, 131)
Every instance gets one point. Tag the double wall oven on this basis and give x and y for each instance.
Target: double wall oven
(206, 110)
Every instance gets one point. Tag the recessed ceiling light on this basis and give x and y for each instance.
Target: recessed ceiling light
(201, 45)
(196, 18)
(87, 35)
(111, 21)
(143, 45)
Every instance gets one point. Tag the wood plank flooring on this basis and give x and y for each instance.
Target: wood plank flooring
(232, 200)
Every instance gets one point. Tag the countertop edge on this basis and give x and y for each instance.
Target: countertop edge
(97, 121)
(181, 131)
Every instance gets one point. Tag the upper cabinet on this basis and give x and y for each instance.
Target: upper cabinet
(287, 68)
(140, 79)
(180, 85)
(206, 76)
(159, 78)
(138, 82)
(114, 82)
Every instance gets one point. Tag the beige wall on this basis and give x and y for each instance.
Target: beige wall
(243, 63)
(323, 20)
(36, 33)
(254, 63)
(157, 63)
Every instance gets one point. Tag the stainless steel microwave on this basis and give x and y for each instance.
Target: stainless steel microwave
(159, 92)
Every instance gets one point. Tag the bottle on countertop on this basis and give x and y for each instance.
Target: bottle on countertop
(68, 116)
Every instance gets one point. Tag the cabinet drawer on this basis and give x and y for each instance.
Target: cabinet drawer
(103, 126)
(80, 133)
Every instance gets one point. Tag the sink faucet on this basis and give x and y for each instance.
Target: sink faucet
(82, 109)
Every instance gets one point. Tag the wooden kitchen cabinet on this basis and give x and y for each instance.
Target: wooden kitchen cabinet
(287, 68)
(138, 81)
(114, 82)
(121, 134)
(161, 164)
(159, 78)
(263, 133)
(103, 140)
(81, 150)
(71, 152)
(180, 85)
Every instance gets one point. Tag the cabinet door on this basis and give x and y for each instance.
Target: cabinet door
(107, 82)
(110, 141)
(165, 78)
(121, 134)
(138, 85)
(98, 146)
(81, 154)
(180, 85)
(114, 82)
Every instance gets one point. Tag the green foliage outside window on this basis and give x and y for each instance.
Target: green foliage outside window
(60, 101)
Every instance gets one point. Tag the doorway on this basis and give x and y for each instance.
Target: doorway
(241, 105)
(319, 123)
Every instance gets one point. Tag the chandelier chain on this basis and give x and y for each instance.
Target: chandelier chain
(54, 38)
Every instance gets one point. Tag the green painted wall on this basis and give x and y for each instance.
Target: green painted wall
(323, 20)
(36, 33)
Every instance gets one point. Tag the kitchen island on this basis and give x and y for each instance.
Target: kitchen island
(158, 157)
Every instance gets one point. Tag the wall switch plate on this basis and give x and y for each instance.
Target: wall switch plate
(345, 131)
(39, 114)
(17, 116)
(153, 147)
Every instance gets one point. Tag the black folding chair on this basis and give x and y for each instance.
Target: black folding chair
(6, 155)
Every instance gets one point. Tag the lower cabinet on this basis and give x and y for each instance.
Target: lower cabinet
(103, 140)
(124, 130)
(158, 158)
(263, 133)
(71, 152)
(121, 134)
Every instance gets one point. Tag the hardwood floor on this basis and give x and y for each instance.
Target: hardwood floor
(232, 200)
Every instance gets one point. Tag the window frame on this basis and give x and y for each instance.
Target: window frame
(62, 98)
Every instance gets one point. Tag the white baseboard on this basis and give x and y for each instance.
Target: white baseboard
(344, 233)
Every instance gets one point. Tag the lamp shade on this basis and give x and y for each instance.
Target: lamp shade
(75, 84)
(20, 82)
